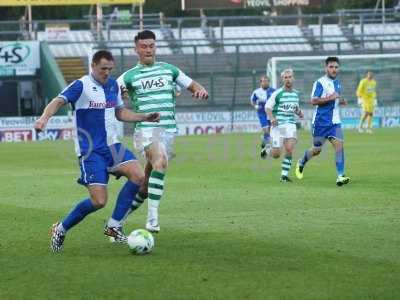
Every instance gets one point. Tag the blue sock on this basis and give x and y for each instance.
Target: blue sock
(266, 137)
(306, 157)
(340, 162)
(80, 211)
(124, 200)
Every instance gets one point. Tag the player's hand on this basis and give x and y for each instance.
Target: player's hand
(124, 93)
(300, 114)
(332, 97)
(152, 117)
(256, 107)
(359, 101)
(40, 124)
(274, 122)
(342, 101)
(201, 94)
(375, 102)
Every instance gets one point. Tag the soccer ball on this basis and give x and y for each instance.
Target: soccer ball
(140, 241)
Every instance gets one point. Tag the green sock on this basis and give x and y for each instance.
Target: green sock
(155, 191)
(286, 164)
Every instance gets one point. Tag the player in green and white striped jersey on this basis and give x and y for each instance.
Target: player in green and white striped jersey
(151, 87)
(282, 108)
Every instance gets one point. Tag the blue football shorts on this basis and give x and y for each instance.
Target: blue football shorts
(322, 133)
(97, 165)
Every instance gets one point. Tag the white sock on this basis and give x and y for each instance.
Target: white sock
(152, 213)
(61, 228)
(113, 223)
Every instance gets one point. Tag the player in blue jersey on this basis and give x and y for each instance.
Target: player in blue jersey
(96, 102)
(258, 99)
(326, 98)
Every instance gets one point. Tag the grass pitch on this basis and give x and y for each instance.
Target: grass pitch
(229, 228)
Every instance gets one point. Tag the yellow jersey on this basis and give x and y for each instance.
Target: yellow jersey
(367, 89)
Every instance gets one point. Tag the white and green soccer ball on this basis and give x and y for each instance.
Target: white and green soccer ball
(140, 241)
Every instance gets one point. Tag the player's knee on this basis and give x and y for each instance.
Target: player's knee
(316, 151)
(99, 202)
(160, 164)
(276, 154)
(139, 179)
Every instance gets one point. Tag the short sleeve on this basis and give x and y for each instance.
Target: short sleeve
(317, 90)
(120, 102)
(72, 92)
(271, 101)
(121, 81)
(183, 80)
(253, 97)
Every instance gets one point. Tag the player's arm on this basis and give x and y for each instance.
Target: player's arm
(268, 109)
(253, 101)
(316, 95)
(126, 115)
(198, 91)
(70, 94)
(50, 110)
(324, 100)
(359, 92)
(299, 112)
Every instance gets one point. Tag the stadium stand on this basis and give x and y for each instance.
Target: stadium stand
(380, 32)
(332, 36)
(256, 35)
(193, 36)
(226, 57)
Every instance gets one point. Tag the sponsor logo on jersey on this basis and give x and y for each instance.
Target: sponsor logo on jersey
(101, 105)
(153, 84)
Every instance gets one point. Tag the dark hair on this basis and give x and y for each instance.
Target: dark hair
(145, 35)
(331, 59)
(264, 76)
(102, 54)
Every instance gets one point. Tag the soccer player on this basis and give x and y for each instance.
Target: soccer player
(258, 99)
(151, 86)
(325, 96)
(281, 108)
(96, 103)
(366, 94)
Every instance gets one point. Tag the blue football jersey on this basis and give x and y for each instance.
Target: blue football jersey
(93, 106)
(326, 114)
(260, 97)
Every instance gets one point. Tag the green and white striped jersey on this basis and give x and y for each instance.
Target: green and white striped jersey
(152, 89)
(284, 105)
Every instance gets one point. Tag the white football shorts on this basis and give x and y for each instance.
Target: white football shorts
(144, 137)
(281, 132)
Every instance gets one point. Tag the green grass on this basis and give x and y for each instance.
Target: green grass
(230, 229)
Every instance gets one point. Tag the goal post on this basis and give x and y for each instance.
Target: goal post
(307, 69)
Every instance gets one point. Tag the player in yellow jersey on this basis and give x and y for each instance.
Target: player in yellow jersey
(366, 94)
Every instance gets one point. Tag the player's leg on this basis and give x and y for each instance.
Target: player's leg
(94, 176)
(288, 144)
(122, 162)
(369, 121)
(276, 142)
(363, 117)
(336, 139)
(133, 171)
(156, 155)
(142, 194)
(319, 140)
(265, 125)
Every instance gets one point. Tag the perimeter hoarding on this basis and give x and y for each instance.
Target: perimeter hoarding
(66, 2)
(228, 4)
